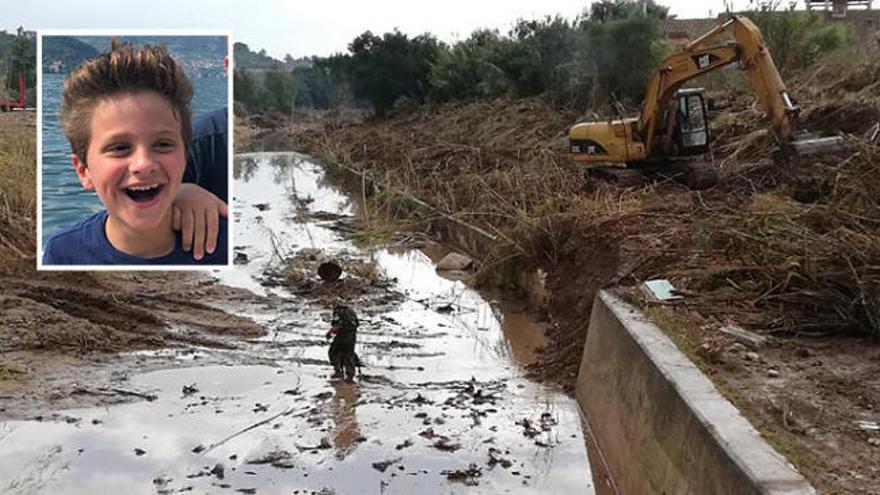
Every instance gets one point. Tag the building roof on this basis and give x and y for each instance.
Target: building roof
(863, 15)
(817, 4)
(863, 19)
(687, 28)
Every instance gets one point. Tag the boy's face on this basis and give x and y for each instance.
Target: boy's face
(135, 158)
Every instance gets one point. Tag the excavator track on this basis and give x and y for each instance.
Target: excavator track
(696, 175)
(619, 176)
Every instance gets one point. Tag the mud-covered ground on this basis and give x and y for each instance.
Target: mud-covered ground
(63, 330)
(219, 382)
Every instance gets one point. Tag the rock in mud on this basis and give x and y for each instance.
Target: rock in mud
(277, 458)
(429, 434)
(383, 465)
(467, 476)
(446, 445)
(219, 471)
(743, 336)
(496, 459)
(455, 262)
(406, 443)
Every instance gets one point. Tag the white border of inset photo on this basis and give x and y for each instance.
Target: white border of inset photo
(230, 234)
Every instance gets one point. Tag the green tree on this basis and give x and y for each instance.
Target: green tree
(314, 87)
(383, 69)
(618, 10)
(535, 54)
(624, 44)
(534, 58)
(280, 90)
(245, 91)
(465, 71)
(21, 57)
(336, 71)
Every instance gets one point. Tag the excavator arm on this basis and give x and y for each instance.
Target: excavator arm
(709, 53)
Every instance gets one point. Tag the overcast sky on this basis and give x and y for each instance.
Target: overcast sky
(312, 27)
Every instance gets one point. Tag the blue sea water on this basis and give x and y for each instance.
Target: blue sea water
(64, 200)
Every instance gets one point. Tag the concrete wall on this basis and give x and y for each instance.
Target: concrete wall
(662, 426)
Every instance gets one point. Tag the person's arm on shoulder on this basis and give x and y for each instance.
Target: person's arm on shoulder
(201, 200)
(196, 213)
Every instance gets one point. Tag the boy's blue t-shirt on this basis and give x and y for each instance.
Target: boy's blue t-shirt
(84, 243)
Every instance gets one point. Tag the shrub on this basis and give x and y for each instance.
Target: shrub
(797, 39)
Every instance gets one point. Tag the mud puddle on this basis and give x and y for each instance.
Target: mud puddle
(441, 406)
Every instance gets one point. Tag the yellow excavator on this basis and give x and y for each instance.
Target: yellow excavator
(672, 130)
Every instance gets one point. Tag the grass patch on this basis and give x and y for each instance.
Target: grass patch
(10, 371)
(18, 179)
(18, 190)
(684, 332)
(382, 213)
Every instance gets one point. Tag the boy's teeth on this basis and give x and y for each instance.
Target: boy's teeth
(143, 193)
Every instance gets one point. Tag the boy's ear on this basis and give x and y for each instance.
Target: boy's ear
(82, 171)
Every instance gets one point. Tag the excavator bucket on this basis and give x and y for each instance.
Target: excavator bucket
(809, 147)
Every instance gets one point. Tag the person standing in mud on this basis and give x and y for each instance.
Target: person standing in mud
(343, 329)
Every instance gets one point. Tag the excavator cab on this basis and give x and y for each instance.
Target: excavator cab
(691, 132)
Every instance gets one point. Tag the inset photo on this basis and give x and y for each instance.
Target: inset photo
(134, 150)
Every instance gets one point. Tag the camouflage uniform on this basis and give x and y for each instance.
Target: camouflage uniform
(343, 328)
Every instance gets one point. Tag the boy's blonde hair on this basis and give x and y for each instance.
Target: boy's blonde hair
(123, 69)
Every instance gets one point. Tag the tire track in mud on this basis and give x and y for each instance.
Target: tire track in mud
(59, 317)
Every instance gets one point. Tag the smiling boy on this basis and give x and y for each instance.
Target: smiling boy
(126, 115)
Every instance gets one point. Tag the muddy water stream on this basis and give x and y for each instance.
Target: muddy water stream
(441, 405)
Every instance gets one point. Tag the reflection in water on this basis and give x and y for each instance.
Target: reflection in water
(33, 478)
(243, 168)
(343, 408)
(282, 166)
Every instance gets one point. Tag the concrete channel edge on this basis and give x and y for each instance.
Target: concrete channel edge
(661, 424)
